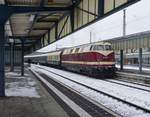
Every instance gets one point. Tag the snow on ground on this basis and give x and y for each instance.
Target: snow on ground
(15, 74)
(17, 85)
(129, 94)
(126, 93)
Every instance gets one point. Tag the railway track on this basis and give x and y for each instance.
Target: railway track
(131, 85)
(93, 109)
(106, 94)
(131, 82)
(138, 79)
(121, 78)
(144, 87)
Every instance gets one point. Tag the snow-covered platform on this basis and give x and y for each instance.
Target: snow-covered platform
(26, 97)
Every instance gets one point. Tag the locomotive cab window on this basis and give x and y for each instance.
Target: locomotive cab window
(108, 47)
(98, 47)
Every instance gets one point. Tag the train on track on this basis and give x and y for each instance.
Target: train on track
(95, 59)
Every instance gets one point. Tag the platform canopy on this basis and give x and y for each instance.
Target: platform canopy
(42, 22)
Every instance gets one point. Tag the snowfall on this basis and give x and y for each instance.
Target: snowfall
(132, 95)
(21, 86)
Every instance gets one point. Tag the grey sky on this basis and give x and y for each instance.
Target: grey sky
(138, 20)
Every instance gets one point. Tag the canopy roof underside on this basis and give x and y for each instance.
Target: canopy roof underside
(37, 23)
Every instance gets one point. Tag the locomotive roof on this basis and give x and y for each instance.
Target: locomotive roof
(89, 44)
(58, 51)
(37, 55)
(43, 54)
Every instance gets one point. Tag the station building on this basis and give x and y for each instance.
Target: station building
(131, 45)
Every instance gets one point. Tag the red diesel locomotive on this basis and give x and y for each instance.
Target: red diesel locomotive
(96, 59)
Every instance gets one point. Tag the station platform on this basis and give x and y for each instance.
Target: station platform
(133, 75)
(134, 69)
(26, 97)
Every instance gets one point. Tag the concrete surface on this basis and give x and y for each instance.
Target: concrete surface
(42, 105)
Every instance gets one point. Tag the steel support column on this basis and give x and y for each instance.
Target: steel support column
(22, 57)
(2, 62)
(59, 35)
(140, 59)
(39, 44)
(11, 57)
(121, 59)
(100, 7)
(72, 19)
(49, 37)
(56, 30)
(43, 41)
(34, 48)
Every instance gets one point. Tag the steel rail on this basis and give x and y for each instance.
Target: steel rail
(107, 80)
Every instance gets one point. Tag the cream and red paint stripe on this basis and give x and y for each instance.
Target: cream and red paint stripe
(89, 63)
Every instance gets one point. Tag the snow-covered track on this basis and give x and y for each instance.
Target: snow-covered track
(88, 106)
(132, 82)
(102, 92)
(138, 79)
(132, 85)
